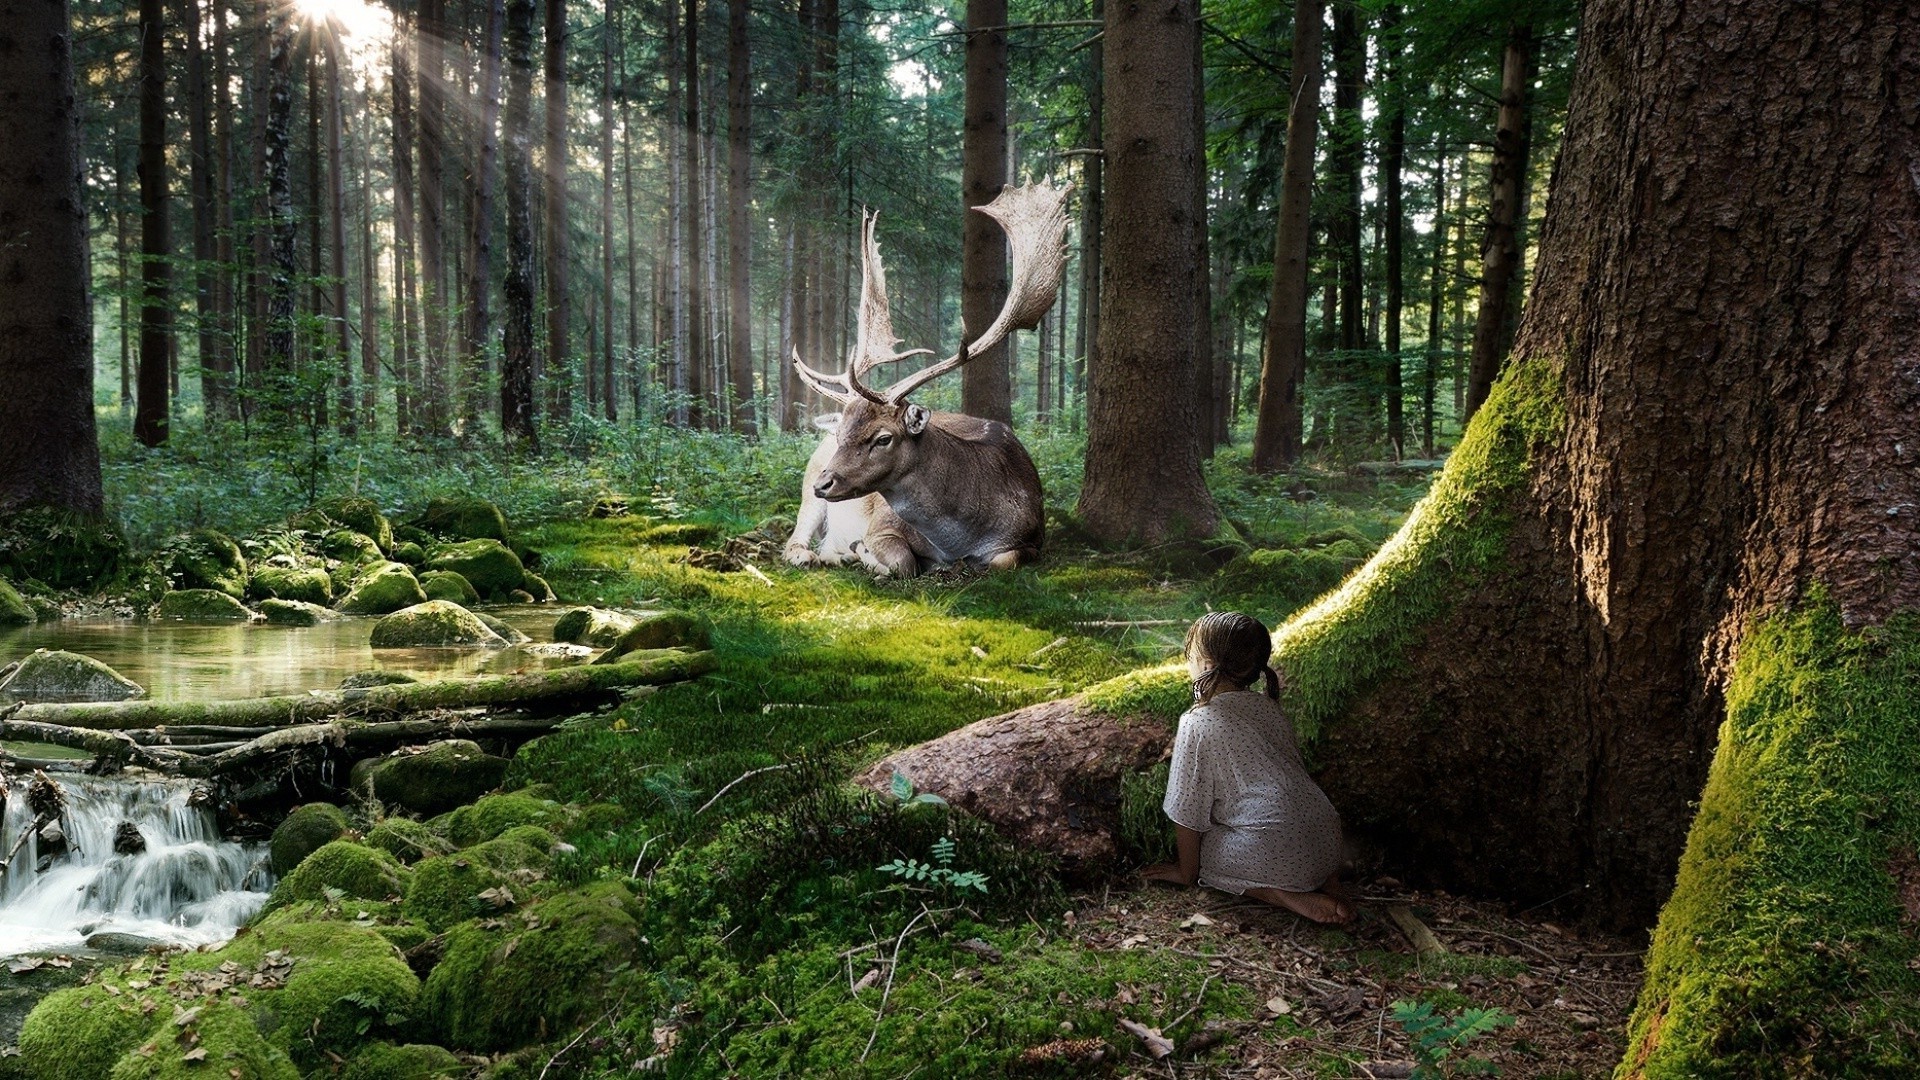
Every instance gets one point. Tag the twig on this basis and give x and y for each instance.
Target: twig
(749, 774)
(1115, 624)
(576, 1041)
(1197, 999)
(755, 571)
(893, 966)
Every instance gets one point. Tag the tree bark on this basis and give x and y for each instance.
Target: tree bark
(1142, 481)
(1430, 376)
(347, 414)
(473, 369)
(49, 453)
(226, 274)
(1392, 157)
(152, 408)
(1283, 368)
(277, 384)
(406, 305)
(1092, 212)
(559, 370)
(201, 184)
(516, 364)
(699, 393)
(431, 405)
(1501, 254)
(986, 383)
(740, 215)
(1206, 403)
(608, 32)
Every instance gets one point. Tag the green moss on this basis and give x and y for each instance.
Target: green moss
(205, 559)
(495, 814)
(508, 633)
(305, 831)
(407, 840)
(1286, 577)
(683, 533)
(351, 547)
(344, 867)
(78, 1033)
(488, 565)
(305, 583)
(362, 516)
(201, 604)
(413, 1061)
(434, 623)
(462, 518)
(58, 675)
(593, 626)
(408, 552)
(666, 630)
(447, 585)
(500, 988)
(225, 1033)
(59, 548)
(446, 774)
(445, 887)
(1145, 833)
(382, 588)
(1787, 947)
(14, 611)
(295, 613)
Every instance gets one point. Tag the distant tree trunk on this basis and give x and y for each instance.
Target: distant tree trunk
(473, 369)
(986, 383)
(432, 408)
(49, 453)
(1346, 153)
(634, 375)
(259, 281)
(740, 215)
(1142, 480)
(150, 416)
(516, 364)
(1283, 368)
(201, 180)
(1092, 203)
(673, 285)
(692, 228)
(1206, 402)
(406, 305)
(1436, 300)
(226, 270)
(337, 212)
(1392, 157)
(554, 172)
(366, 411)
(314, 384)
(1501, 255)
(283, 226)
(607, 34)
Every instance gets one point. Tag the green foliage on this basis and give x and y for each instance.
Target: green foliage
(205, 559)
(342, 869)
(938, 872)
(1146, 833)
(58, 549)
(1787, 944)
(1436, 1038)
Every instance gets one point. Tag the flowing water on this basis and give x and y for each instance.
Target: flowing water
(189, 887)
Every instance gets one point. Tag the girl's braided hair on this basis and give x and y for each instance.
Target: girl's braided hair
(1234, 648)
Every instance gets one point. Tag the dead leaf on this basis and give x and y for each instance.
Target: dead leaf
(183, 1017)
(872, 976)
(25, 964)
(198, 1053)
(1193, 920)
(1137, 939)
(1157, 1045)
(980, 948)
(1279, 1006)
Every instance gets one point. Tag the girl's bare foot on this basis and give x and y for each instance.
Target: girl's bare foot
(1318, 906)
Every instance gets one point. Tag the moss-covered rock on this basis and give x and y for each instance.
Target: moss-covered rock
(1286, 577)
(347, 867)
(436, 622)
(205, 559)
(306, 583)
(220, 1039)
(352, 547)
(666, 630)
(537, 589)
(57, 675)
(366, 680)
(79, 1033)
(408, 840)
(507, 632)
(58, 548)
(488, 565)
(437, 779)
(14, 609)
(412, 1061)
(463, 518)
(381, 589)
(494, 815)
(406, 551)
(295, 613)
(497, 989)
(305, 831)
(447, 585)
(362, 516)
(446, 888)
(201, 604)
(593, 626)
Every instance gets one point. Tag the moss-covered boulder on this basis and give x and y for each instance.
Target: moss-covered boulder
(295, 613)
(436, 622)
(342, 868)
(406, 551)
(367, 680)
(351, 546)
(510, 633)
(1288, 577)
(214, 1037)
(438, 778)
(495, 815)
(14, 609)
(537, 589)
(412, 1061)
(305, 831)
(463, 518)
(408, 840)
(499, 988)
(382, 589)
(593, 626)
(79, 1033)
(57, 675)
(306, 583)
(446, 889)
(205, 559)
(666, 630)
(362, 516)
(201, 605)
(447, 585)
(488, 565)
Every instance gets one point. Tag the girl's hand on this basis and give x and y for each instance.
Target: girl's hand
(1170, 872)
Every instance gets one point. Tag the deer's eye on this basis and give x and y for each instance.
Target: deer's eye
(884, 439)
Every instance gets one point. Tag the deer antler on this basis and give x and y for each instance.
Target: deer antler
(874, 344)
(1034, 217)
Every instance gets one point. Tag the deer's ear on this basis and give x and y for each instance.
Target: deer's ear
(916, 418)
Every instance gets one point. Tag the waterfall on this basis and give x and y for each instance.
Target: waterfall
(189, 887)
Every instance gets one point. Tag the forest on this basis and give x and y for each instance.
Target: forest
(468, 607)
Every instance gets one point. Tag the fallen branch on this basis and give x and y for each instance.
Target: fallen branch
(1421, 938)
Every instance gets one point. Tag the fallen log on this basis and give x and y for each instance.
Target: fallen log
(560, 688)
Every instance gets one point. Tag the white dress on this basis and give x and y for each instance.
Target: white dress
(1238, 779)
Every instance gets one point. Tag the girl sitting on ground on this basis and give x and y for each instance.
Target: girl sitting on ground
(1250, 820)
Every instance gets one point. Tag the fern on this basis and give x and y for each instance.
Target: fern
(940, 871)
(1436, 1038)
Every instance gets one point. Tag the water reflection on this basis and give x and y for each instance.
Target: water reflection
(187, 661)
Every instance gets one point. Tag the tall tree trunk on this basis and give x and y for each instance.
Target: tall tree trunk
(1142, 482)
(49, 453)
(1436, 300)
(634, 381)
(1092, 211)
(692, 228)
(337, 213)
(201, 180)
(226, 273)
(123, 278)
(740, 215)
(516, 364)
(435, 311)
(1283, 367)
(259, 282)
(1501, 255)
(473, 369)
(366, 412)
(319, 364)
(607, 35)
(986, 383)
(554, 172)
(406, 304)
(1206, 403)
(674, 285)
(151, 411)
(1346, 152)
(1392, 156)
(277, 385)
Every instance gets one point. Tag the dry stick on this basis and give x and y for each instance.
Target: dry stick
(750, 773)
(893, 966)
(576, 1041)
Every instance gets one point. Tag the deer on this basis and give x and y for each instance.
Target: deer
(837, 528)
(959, 489)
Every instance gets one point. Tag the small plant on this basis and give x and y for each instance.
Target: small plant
(940, 871)
(902, 789)
(1437, 1037)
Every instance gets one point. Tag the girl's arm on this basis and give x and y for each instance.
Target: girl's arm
(1187, 870)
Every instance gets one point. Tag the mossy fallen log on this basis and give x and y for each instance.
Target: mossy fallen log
(561, 688)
